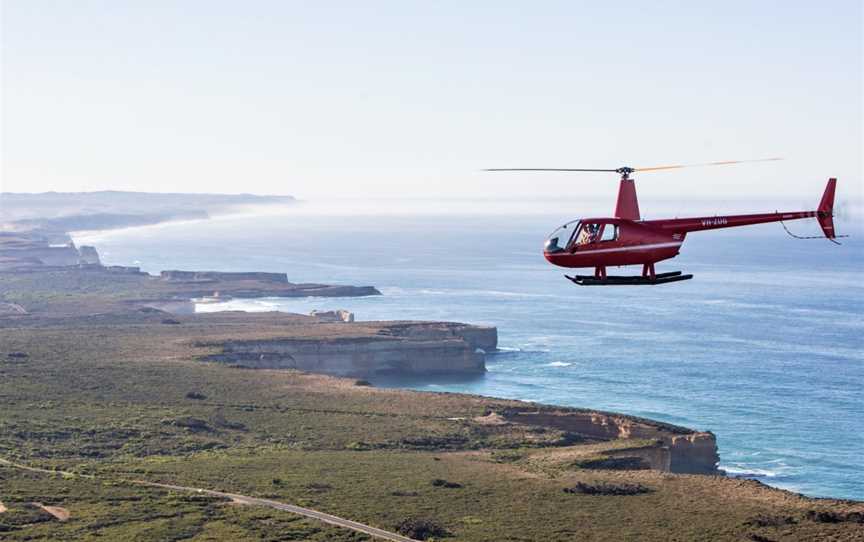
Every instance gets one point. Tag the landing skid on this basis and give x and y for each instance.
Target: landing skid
(659, 278)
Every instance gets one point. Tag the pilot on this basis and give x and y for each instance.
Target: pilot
(589, 234)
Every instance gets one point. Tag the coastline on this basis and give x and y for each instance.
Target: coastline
(762, 474)
(424, 347)
(97, 378)
(129, 394)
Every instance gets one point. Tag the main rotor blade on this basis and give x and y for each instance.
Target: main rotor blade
(723, 163)
(546, 169)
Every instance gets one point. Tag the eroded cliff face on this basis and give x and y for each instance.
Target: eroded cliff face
(677, 449)
(88, 255)
(26, 250)
(405, 349)
(695, 453)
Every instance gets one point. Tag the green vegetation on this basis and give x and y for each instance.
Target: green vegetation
(112, 511)
(120, 396)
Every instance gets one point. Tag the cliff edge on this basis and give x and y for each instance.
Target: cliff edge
(667, 447)
(364, 350)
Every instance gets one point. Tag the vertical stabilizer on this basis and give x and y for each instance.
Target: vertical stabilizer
(825, 212)
(628, 206)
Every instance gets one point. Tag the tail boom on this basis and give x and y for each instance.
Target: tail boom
(824, 214)
(685, 225)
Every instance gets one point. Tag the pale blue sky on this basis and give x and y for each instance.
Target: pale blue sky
(412, 98)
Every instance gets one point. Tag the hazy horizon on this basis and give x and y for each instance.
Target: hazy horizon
(336, 99)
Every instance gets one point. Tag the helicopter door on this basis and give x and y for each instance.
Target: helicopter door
(610, 233)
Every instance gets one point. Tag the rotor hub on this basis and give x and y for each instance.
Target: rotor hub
(625, 172)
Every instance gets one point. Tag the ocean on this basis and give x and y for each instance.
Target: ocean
(763, 347)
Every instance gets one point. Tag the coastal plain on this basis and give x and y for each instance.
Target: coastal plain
(106, 381)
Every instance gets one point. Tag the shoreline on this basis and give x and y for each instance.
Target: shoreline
(264, 295)
(255, 295)
(423, 353)
(98, 380)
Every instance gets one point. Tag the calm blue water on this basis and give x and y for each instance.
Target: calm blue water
(763, 347)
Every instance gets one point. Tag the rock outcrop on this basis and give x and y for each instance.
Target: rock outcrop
(27, 250)
(677, 449)
(340, 315)
(87, 255)
(403, 349)
(484, 338)
(54, 256)
(124, 270)
(252, 284)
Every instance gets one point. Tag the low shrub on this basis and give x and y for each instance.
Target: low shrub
(440, 482)
(404, 493)
(613, 463)
(195, 425)
(822, 516)
(421, 529)
(603, 488)
(770, 521)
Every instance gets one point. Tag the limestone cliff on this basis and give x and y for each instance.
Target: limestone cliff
(88, 255)
(340, 315)
(484, 338)
(37, 250)
(403, 348)
(677, 449)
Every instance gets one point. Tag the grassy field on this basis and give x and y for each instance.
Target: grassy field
(123, 396)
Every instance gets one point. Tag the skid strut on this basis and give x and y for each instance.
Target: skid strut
(648, 277)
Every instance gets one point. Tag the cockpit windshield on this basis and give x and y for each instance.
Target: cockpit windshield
(560, 239)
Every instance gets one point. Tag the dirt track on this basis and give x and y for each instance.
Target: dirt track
(62, 514)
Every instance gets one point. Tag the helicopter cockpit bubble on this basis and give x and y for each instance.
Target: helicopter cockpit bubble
(559, 240)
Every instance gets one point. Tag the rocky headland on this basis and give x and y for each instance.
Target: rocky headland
(44, 276)
(109, 370)
(404, 348)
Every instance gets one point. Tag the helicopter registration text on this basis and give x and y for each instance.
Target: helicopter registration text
(714, 222)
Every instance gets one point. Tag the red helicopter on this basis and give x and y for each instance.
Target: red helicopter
(625, 239)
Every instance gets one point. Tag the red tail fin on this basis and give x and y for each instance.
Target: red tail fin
(825, 212)
(628, 206)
